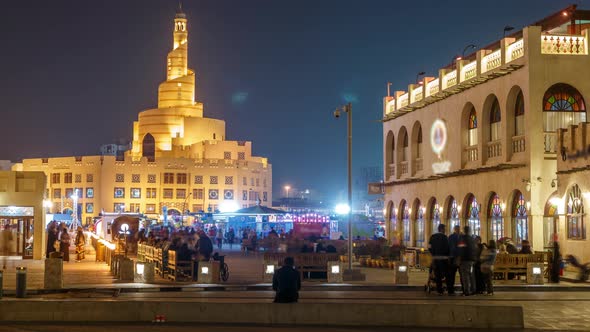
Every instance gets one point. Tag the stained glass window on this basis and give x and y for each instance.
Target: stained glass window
(575, 215)
(435, 213)
(473, 216)
(472, 119)
(472, 140)
(563, 105)
(495, 115)
(454, 214)
(496, 220)
(521, 229)
(392, 219)
(406, 223)
(420, 227)
(519, 115)
(563, 98)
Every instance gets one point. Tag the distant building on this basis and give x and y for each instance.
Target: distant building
(179, 160)
(5, 165)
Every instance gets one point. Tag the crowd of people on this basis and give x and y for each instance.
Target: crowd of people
(59, 241)
(461, 252)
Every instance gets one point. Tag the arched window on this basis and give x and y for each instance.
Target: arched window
(496, 220)
(419, 143)
(405, 145)
(392, 218)
(435, 213)
(405, 223)
(519, 115)
(454, 219)
(473, 216)
(149, 147)
(563, 105)
(495, 118)
(419, 226)
(390, 155)
(472, 139)
(521, 228)
(576, 229)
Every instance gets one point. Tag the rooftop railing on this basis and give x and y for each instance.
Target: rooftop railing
(486, 61)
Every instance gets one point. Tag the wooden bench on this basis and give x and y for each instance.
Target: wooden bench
(148, 254)
(304, 262)
(178, 269)
(140, 252)
(158, 263)
(515, 263)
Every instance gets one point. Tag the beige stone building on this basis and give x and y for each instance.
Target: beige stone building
(477, 144)
(22, 219)
(566, 209)
(179, 159)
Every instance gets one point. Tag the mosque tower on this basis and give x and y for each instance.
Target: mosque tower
(177, 124)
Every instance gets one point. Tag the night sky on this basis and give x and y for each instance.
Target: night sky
(75, 74)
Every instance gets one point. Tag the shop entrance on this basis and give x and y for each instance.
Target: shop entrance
(16, 237)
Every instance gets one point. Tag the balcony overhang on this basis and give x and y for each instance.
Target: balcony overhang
(487, 76)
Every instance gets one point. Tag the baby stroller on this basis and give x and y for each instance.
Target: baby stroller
(431, 282)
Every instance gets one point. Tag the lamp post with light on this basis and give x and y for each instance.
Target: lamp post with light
(348, 109)
(74, 198)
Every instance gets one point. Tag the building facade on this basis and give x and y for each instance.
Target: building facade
(565, 210)
(179, 160)
(477, 145)
(22, 218)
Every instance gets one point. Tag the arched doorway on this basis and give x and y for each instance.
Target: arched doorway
(550, 220)
(520, 225)
(148, 147)
(390, 218)
(495, 218)
(472, 215)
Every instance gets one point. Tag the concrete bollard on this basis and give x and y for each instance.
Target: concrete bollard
(268, 271)
(534, 273)
(208, 272)
(144, 272)
(335, 272)
(400, 273)
(126, 271)
(21, 282)
(54, 271)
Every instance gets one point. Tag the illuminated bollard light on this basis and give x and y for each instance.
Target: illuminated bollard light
(268, 271)
(534, 273)
(208, 272)
(400, 273)
(335, 272)
(144, 272)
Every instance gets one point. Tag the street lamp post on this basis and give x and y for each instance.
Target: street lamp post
(348, 109)
(184, 207)
(74, 198)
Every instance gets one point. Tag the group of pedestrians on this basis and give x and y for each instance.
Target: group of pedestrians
(463, 253)
(59, 241)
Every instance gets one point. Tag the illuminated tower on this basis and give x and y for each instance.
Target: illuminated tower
(177, 124)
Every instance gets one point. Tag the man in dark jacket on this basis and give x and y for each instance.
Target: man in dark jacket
(467, 252)
(204, 247)
(286, 282)
(438, 245)
(453, 259)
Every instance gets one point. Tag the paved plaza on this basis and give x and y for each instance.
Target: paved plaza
(565, 306)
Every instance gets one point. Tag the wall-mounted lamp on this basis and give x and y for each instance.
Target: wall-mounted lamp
(440, 209)
(528, 205)
(459, 208)
(554, 183)
(528, 184)
(410, 210)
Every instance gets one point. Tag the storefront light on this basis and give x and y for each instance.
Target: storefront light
(204, 270)
(140, 267)
(537, 271)
(335, 269)
(270, 269)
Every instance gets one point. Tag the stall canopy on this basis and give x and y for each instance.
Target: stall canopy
(257, 210)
